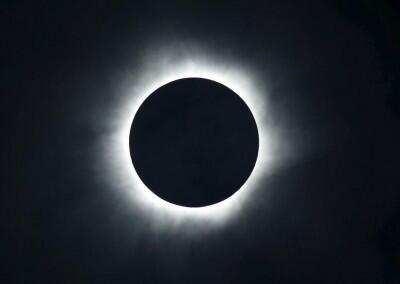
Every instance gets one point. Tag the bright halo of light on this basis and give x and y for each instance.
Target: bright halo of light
(164, 68)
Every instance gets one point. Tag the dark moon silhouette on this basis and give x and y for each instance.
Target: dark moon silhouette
(194, 142)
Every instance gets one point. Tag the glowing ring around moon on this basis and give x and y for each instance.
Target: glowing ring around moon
(162, 71)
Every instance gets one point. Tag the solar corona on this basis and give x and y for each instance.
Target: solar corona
(164, 69)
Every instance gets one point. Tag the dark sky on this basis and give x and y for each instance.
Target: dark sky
(330, 215)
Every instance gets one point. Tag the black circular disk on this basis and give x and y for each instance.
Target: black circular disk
(194, 142)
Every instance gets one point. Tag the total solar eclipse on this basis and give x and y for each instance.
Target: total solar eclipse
(194, 142)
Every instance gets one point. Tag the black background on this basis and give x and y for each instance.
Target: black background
(333, 70)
